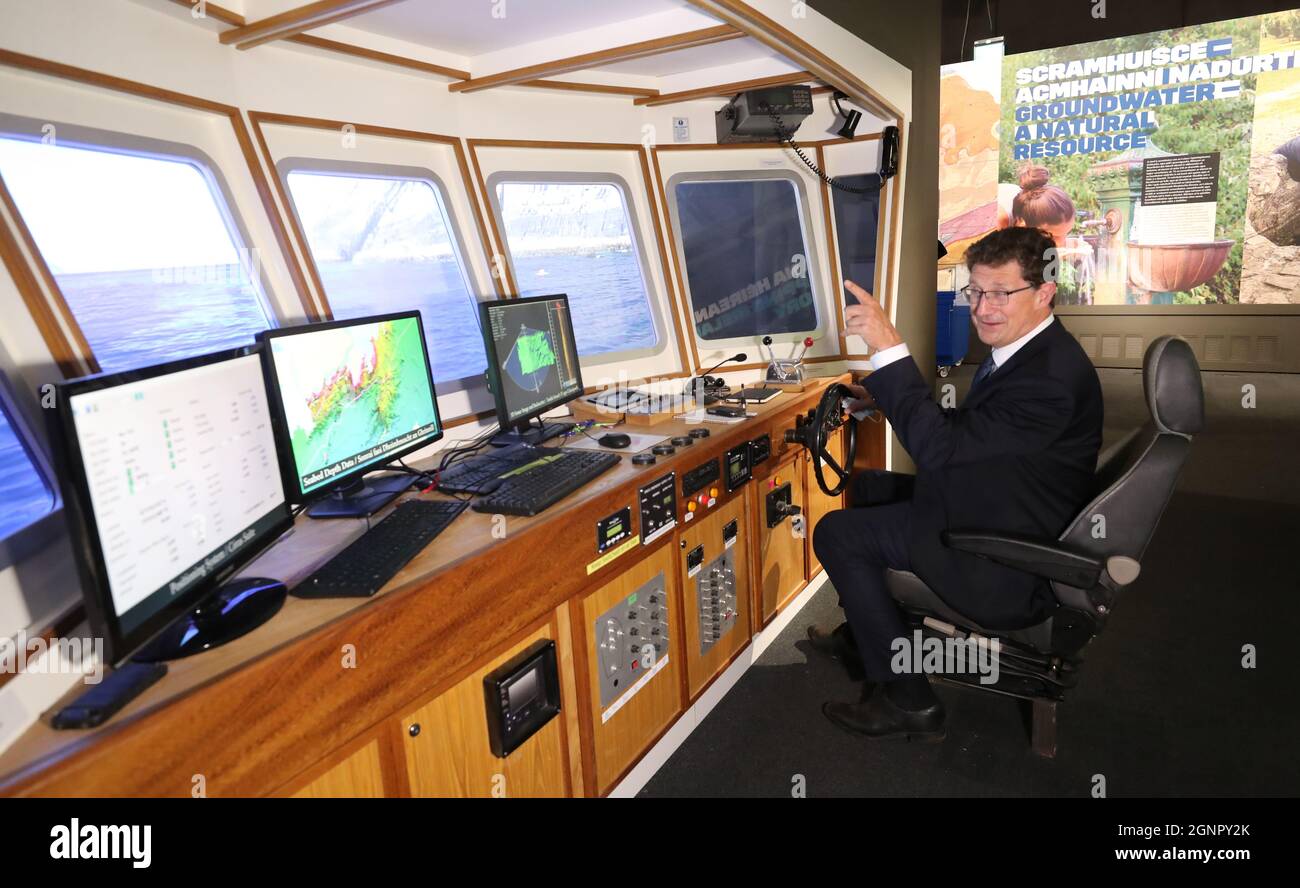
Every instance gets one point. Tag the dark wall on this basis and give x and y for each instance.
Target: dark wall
(909, 34)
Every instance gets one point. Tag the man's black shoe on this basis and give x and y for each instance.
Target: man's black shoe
(879, 717)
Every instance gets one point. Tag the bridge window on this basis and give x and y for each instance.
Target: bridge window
(857, 222)
(142, 247)
(747, 262)
(385, 243)
(577, 238)
(24, 491)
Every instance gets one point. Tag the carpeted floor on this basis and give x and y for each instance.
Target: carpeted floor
(1163, 707)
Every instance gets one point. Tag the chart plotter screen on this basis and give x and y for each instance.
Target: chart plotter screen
(531, 344)
(353, 395)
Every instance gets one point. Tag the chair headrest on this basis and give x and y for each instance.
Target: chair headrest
(1171, 379)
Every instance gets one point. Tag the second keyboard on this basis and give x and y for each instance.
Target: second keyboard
(544, 485)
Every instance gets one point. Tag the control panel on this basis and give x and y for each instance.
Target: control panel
(631, 644)
(737, 466)
(715, 597)
(613, 529)
(780, 504)
(700, 488)
(699, 477)
(658, 507)
(759, 450)
(521, 696)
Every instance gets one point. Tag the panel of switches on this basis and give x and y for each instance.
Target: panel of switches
(715, 596)
(631, 637)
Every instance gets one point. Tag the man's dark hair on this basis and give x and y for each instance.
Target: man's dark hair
(1032, 248)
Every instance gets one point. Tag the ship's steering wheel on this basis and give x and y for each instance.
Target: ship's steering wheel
(816, 435)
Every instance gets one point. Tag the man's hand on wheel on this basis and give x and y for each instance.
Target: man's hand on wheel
(862, 399)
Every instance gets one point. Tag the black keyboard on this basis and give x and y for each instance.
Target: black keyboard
(483, 473)
(549, 483)
(372, 559)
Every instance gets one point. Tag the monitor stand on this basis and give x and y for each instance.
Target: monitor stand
(361, 498)
(531, 434)
(234, 609)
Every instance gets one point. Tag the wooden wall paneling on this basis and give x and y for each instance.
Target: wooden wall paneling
(448, 754)
(359, 775)
(707, 531)
(780, 553)
(642, 719)
(367, 767)
(570, 697)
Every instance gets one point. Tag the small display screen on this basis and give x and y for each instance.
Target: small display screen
(737, 467)
(523, 690)
(611, 529)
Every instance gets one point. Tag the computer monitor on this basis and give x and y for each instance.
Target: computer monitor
(171, 484)
(349, 397)
(532, 363)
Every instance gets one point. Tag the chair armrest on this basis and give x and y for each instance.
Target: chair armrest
(1043, 558)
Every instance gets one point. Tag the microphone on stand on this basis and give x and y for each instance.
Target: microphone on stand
(739, 356)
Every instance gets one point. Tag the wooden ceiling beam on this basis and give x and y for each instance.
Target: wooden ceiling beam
(640, 50)
(292, 22)
(724, 90)
(781, 39)
(591, 87)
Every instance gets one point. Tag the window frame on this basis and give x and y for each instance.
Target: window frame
(539, 177)
(811, 251)
(25, 541)
(369, 170)
(29, 129)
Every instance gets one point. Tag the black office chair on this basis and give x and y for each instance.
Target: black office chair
(1087, 572)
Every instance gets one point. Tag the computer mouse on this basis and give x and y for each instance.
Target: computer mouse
(616, 440)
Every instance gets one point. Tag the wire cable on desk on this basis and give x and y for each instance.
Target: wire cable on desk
(583, 425)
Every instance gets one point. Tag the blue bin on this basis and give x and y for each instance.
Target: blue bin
(952, 331)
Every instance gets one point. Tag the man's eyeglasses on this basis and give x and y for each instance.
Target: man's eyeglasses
(995, 297)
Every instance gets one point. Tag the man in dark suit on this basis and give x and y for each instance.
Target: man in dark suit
(1017, 456)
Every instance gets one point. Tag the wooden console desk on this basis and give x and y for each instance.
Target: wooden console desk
(383, 696)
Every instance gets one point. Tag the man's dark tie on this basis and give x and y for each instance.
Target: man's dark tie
(985, 369)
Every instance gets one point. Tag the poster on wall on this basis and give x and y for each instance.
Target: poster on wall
(1165, 166)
